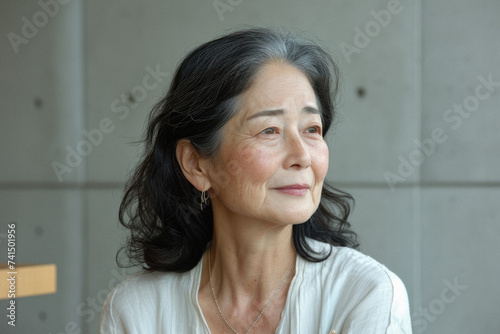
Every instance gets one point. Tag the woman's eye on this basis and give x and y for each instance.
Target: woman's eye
(269, 131)
(314, 129)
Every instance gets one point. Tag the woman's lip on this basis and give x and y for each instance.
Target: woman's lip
(294, 186)
(295, 189)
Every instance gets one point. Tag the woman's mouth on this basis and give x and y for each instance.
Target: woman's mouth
(294, 189)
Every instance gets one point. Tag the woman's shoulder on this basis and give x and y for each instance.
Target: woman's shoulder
(351, 265)
(348, 272)
(120, 313)
(139, 281)
(148, 286)
(363, 286)
(362, 271)
(135, 302)
(137, 288)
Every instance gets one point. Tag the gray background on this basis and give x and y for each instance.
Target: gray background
(438, 227)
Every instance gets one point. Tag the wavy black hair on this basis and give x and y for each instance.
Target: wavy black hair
(160, 207)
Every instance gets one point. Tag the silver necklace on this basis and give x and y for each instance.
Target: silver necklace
(268, 303)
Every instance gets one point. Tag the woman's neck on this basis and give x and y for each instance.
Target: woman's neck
(249, 261)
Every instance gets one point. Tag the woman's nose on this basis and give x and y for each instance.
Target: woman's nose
(297, 153)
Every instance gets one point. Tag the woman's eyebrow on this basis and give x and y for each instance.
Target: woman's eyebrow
(275, 112)
(272, 112)
(311, 110)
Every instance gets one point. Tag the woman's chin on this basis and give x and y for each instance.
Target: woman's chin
(294, 217)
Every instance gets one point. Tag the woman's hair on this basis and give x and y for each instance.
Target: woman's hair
(168, 231)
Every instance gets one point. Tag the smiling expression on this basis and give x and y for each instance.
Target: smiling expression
(273, 150)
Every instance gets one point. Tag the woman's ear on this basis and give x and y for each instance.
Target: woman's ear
(189, 161)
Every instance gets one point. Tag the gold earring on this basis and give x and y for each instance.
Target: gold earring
(204, 198)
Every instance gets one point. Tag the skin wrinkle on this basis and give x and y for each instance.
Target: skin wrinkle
(243, 145)
(251, 246)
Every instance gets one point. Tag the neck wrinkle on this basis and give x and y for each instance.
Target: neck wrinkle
(247, 273)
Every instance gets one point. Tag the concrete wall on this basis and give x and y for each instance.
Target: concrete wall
(417, 77)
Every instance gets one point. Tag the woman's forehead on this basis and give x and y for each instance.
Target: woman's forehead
(277, 86)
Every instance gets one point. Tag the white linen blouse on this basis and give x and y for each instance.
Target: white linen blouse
(348, 293)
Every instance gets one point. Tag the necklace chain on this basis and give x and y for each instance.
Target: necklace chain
(268, 303)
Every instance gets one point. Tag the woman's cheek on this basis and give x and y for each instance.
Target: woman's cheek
(234, 167)
(322, 161)
(253, 163)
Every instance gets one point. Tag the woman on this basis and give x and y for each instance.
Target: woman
(229, 212)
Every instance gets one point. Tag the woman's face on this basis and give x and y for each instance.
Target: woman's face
(273, 158)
